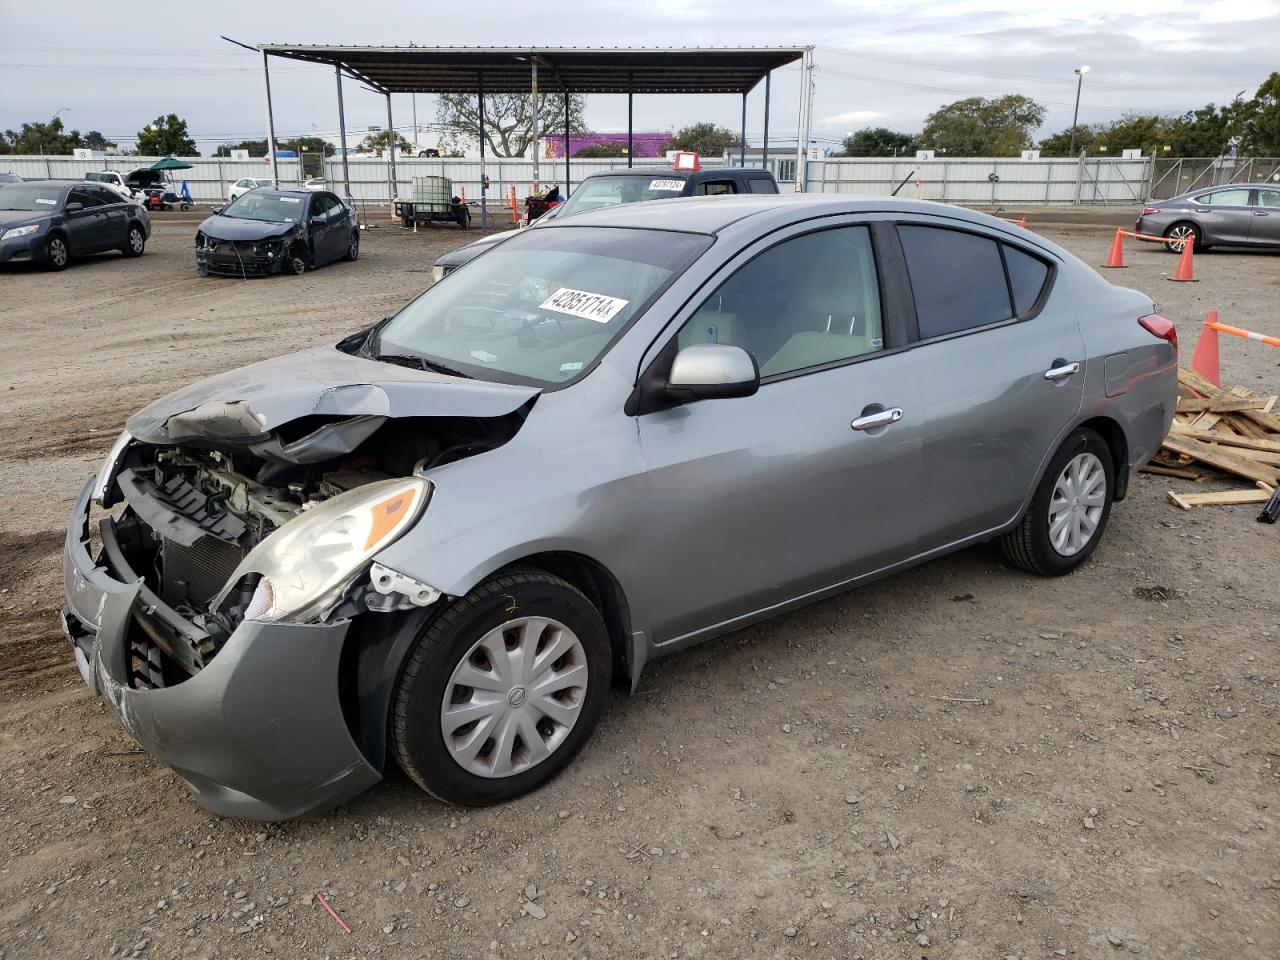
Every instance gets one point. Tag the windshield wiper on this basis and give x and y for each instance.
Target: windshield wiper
(420, 363)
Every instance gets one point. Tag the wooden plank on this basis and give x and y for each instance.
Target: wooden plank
(1189, 378)
(1161, 470)
(1223, 498)
(1267, 421)
(1217, 457)
(1251, 443)
(1220, 405)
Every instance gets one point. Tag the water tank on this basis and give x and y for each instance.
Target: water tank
(433, 193)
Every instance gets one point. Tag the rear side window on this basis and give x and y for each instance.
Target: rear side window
(761, 185)
(714, 188)
(957, 280)
(1027, 275)
(1224, 198)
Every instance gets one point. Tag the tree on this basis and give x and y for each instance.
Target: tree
(600, 151)
(256, 148)
(381, 140)
(704, 139)
(982, 127)
(93, 140)
(1258, 120)
(879, 142)
(508, 119)
(1060, 144)
(37, 137)
(166, 136)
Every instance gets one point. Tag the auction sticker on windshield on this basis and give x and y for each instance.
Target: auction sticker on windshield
(666, 184)
(580, 303)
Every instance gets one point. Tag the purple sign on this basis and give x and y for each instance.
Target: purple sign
(643, 144)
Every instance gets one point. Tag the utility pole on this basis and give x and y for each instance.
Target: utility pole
(1075, 116)
(533, 59)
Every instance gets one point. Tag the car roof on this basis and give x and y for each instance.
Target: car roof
(1233, 186)
(56, 183)
(713, 214)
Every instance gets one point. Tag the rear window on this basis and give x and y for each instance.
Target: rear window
(1027, 275)
(957, 280)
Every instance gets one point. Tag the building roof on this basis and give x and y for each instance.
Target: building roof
(560, 69)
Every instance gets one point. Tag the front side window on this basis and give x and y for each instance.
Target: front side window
(84, 195)
(267, 207)
(714, 188)
(1224, 198)
(104, 194)
(957, 279)
(809, 301)
(542, 307)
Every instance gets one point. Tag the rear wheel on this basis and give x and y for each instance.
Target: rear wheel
(135, 243)
(1069, 510)
(1179, 233)
(56, 253)
(501, 689)
(353, 248)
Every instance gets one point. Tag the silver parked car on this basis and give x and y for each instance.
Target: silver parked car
(1234, 215)
(440, 541)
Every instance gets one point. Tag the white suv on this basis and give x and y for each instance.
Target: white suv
(113, 180)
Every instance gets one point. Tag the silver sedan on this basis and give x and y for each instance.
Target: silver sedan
(440, 541)
(1233, 215)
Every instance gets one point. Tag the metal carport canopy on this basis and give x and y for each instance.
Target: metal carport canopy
(573, 69)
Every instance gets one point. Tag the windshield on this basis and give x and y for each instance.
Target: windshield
(596, 192)
(542, 307)
(30, 196)
(270, 207)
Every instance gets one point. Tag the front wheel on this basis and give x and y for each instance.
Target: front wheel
(1069, 510)
(297, 263)
(1180, 233)
(56, 253)
(501, 689)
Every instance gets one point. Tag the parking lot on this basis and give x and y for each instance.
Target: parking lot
(961, 761)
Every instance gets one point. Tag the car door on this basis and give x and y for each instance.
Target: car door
(1264, 224)
(326, 228)
(115, 213)
(87, 226)
(1001, 367)
(1224, 215)
(811, 483)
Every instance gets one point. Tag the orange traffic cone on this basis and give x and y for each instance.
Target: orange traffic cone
(1116, 257)
(1205, 360)
(1023, 222)
(1184, 271)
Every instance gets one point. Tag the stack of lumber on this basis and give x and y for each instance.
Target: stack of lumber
(1219, 434)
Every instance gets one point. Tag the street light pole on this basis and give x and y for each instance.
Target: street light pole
(1075, 116)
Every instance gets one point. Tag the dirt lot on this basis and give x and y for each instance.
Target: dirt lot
(960, 762)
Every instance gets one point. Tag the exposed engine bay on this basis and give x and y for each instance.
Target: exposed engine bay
(197, 509)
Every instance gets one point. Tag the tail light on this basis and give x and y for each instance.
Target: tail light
(1148, 211)
(1158, 326)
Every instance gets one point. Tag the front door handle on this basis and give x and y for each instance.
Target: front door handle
(881, 419)
(1260, 213)
(1058, 373)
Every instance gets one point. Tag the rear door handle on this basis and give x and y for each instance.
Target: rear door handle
(1058, 373)
(1260, 213)
(881, 419)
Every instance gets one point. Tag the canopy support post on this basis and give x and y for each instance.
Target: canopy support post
(566, 144)
(392, 183)
(533, 61)
(764, 153)
(742, 142)
(631, 82)
(484, 181)
(271, 123)
(342, 135)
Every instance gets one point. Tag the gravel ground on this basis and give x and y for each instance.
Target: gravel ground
(958, 762)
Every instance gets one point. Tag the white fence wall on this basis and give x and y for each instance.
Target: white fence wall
(986, 180)
(207, 180)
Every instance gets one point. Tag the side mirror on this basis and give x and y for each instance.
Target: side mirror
(713, 371)
(218, 210)
(73, 207)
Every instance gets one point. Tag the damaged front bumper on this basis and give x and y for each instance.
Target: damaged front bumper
(240, 259)
(258, 733)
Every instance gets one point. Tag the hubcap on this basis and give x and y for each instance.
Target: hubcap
(1181, 235)
(135, 240)
(515, 697)
(57, 251)
(1075, 508)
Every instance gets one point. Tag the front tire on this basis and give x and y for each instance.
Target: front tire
(1179, 233)
(135, 243)
(297, 263)
(501, 689)
(56, 253)
(1069, 511)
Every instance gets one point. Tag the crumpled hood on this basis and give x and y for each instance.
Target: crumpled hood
(245, 405)
(234, 228)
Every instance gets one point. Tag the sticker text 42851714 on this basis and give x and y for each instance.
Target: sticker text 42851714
(581, 303)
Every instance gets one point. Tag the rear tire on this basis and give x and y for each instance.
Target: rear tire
(1069, 511)
(135, 243)
(56, 253)
(526, 615)
(353, 248)
(1178, 232)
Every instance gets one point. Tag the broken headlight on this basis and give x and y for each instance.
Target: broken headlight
(308, 564)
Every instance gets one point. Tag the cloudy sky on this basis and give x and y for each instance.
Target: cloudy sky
(116, 71)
